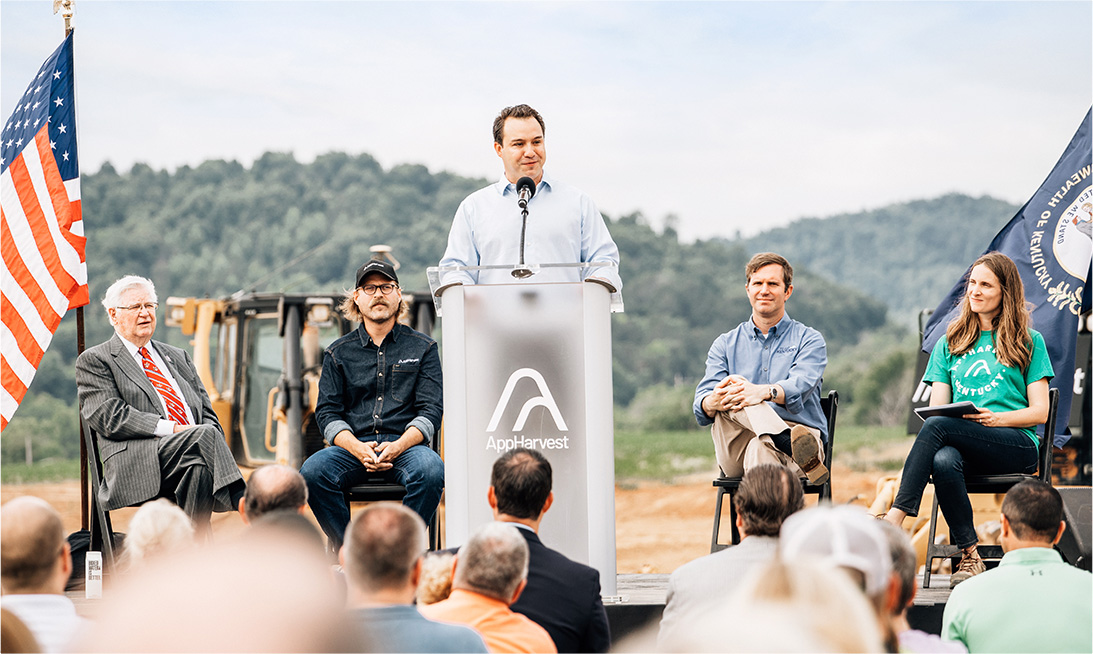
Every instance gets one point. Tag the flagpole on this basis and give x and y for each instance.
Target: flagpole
(67, 9)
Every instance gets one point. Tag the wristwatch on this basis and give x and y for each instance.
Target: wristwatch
(773, 393)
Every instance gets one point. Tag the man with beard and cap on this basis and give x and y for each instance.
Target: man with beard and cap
(379, 406)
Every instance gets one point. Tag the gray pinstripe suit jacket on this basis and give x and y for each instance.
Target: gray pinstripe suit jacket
(120, 404)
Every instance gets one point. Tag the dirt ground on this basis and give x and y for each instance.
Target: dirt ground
(658, 526)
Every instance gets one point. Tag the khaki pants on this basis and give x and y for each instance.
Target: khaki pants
(741, 439)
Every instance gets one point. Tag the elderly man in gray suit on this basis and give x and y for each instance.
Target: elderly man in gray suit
(768, 494)
(158, 434)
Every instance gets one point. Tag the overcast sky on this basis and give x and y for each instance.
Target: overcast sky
(730, 115)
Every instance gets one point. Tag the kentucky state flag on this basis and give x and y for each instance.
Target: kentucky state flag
(1050, 240)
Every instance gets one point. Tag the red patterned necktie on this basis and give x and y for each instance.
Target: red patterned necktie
(175, 408)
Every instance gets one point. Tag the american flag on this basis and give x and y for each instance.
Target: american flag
(42, 237)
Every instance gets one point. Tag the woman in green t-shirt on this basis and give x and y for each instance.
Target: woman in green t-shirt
(989, 356)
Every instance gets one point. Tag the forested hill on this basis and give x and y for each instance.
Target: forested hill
(213, 229)
(906, 255)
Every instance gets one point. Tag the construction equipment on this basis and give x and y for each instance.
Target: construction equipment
(259, 356)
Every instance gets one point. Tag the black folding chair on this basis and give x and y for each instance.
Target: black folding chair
(994, 484)
(102, 532)
(729, 485)
(377, 488)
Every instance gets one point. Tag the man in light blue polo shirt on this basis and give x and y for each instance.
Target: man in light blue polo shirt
(761, 390)
(563, 224)
(1033, 601)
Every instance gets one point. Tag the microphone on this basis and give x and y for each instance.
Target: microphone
(525, 188)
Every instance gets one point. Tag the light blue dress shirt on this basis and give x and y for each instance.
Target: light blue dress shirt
(791, 355)
(563, 226)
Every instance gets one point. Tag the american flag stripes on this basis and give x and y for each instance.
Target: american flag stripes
(42, 237)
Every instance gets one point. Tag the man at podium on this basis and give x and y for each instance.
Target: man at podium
(561, 225)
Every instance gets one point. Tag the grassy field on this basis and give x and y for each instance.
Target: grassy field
(639, 456)
(664, 456)
(43, 471)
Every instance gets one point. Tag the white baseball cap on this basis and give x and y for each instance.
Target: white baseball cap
(844, 536)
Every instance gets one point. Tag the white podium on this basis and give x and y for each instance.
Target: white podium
(528, 364)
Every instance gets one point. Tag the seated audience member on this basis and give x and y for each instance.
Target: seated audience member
(1033, 601)
(780, 606)
(490, 573)
(157, 529)
(904, 564)
(35, 563)
(436, 577)
(761, 390)
(847, 538)
(259, 593)
(382, 556)
(272, 488)
(15, 636)
(561, 595)
(768, 494)
(991, 357)
(289, 525)
(157, 432)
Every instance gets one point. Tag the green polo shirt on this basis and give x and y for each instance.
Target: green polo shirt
(1032, 602)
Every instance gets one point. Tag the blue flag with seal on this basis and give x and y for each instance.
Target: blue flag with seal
(1051, 242)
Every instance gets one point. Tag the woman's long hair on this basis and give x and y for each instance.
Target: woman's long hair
(1012, 340)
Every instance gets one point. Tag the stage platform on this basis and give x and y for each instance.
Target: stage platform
(641, 601)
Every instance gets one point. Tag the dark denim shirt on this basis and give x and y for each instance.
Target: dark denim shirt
(379, 392)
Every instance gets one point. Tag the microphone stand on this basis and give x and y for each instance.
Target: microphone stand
(522, 271)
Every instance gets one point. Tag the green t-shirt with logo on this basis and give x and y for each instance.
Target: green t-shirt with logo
(977, 375)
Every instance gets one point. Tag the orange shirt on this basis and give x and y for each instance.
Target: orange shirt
(502, 629)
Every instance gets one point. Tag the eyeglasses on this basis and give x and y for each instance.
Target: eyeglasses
(147, 306)
(386, 289)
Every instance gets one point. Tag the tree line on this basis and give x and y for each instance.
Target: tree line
(220, 227)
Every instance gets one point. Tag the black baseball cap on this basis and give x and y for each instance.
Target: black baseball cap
(376, 266)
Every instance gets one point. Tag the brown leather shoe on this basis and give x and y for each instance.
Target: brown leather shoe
(970, 565)
(807, 455)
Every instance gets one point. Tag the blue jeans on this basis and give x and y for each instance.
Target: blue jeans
(947, 448)
(333, 470)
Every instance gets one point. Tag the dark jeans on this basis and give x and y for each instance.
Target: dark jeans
(949, 448)
(332, 470)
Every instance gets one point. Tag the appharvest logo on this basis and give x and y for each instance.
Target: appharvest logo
(545, 400)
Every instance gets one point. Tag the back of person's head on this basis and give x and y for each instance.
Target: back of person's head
(904, 563)
(521, 480)
(260, 593)
(436, 577)
(382, 545)
(1034, 510)
(783, 606)
(15, 636)
(158, 528)
(841, 536)
(289, 525)
(494, 562)
(32, 541)
(274, 488)
(768, 494)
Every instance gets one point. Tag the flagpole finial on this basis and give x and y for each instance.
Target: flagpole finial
(67, 8)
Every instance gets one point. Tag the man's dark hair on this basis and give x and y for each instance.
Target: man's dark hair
(518, 111)
(274, 488)
(1034, 510)
(382, 544)
(765, 259)
(904, 563)
(521, 481)
(768, 494)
